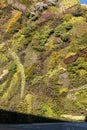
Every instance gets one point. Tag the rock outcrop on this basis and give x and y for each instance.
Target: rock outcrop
(16, 4)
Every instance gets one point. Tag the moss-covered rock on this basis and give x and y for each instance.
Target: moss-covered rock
(43, 59)
(78, 72)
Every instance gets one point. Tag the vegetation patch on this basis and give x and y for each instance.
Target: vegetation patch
(62, 31)
(78, 72)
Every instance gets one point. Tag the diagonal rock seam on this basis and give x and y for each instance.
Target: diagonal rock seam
(80, 88)
(20, 68)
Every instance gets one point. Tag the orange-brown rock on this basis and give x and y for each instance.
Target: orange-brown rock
(71, 58)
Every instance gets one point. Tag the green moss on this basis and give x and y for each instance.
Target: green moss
(48, 111)
(59, 30)
(79, 43)
(2, 87)
(12, 89)
(12, 68)
(51, 109)
(78, 72)
(25, 106)
(81, 97)
(65, 37)
(6, 84)
(62, 31)
(67, 17)
(44, 36)
(68, 26)
(54, 60)
(23, 37)
(19, 40)
(40, 38)
(26, 31)
(29, 72)
(76, 46)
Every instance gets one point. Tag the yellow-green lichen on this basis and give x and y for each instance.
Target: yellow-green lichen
(12, 88)
(25, 106)
(29, 72)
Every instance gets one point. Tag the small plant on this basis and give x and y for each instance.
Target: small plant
(68, 26)
(62, 31)
(35, 18)
(59, 30)
(28, 30)
(44, 36)
(13, 68)
(65, 37)
(67, 17)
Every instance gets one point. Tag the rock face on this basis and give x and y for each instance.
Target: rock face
(71, 58)
(51, 2)
(64, 78)
(62, 4)
(43, 59)
(17, 4)
(41, 6)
